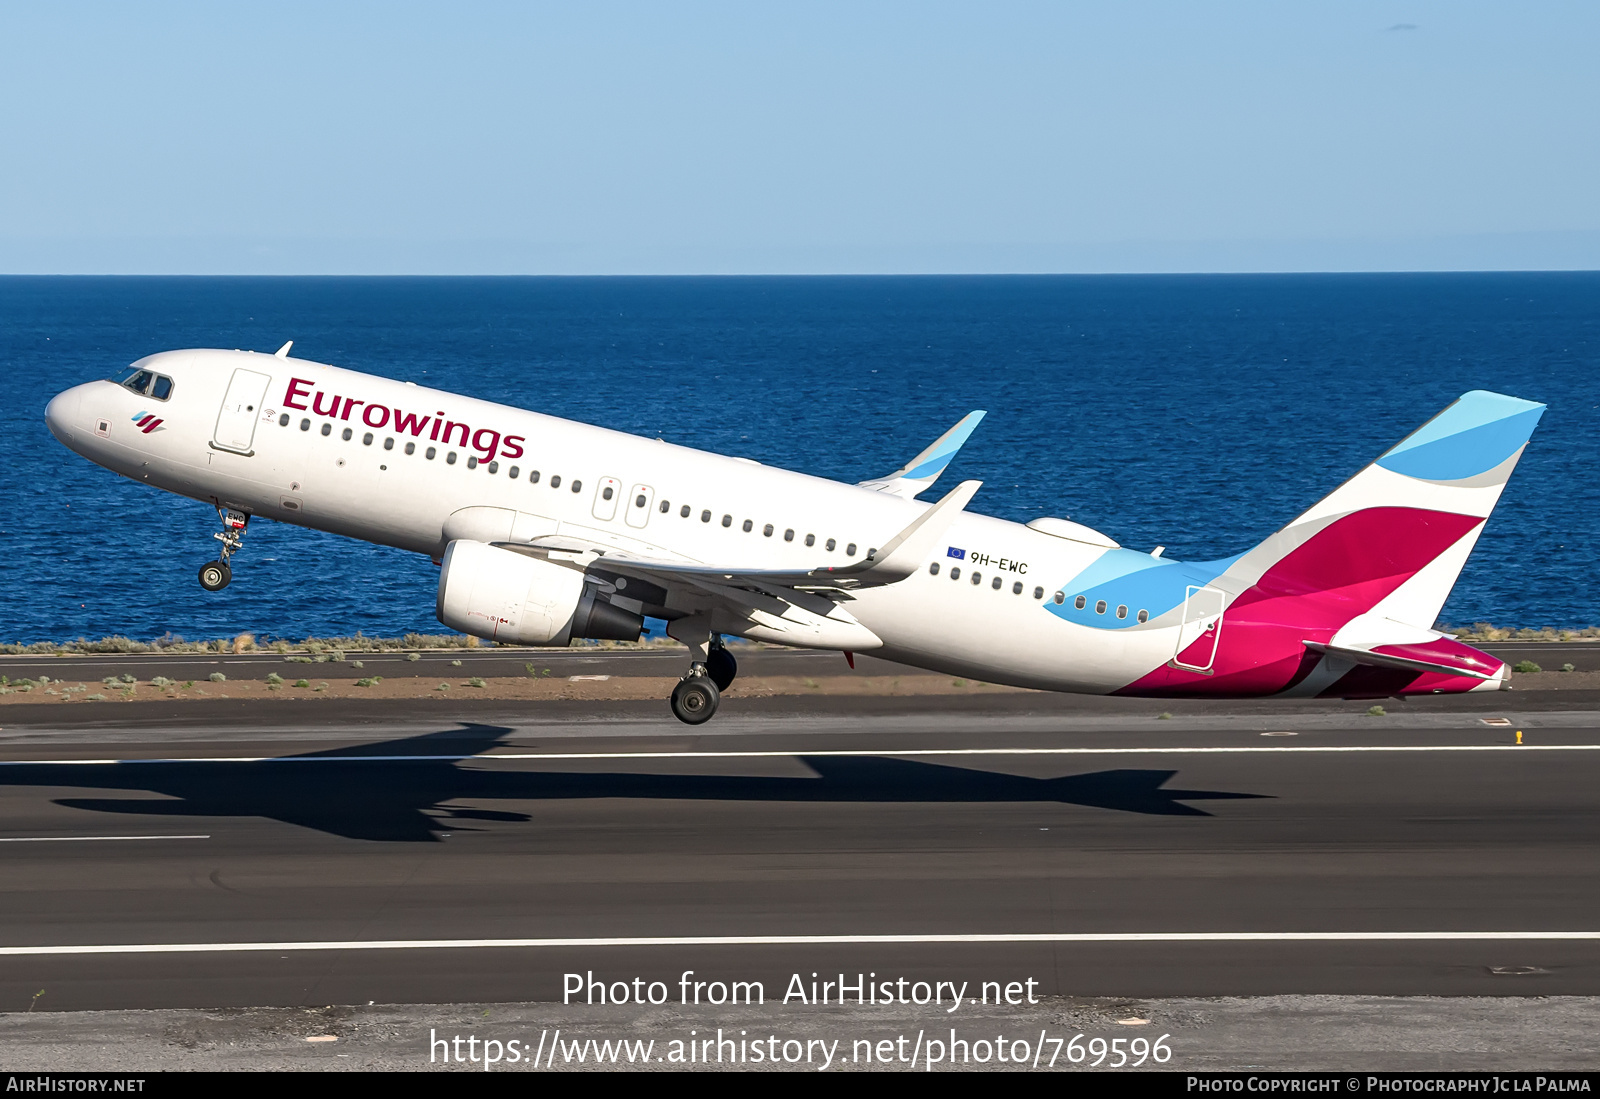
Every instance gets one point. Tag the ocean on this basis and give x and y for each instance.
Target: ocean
(1195, 412)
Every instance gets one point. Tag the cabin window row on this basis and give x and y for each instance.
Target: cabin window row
(430, 453)
(975, 578)
(665, 506)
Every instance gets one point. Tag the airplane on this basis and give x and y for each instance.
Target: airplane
(546, 530)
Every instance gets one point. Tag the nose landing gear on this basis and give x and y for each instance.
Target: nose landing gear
(216, 575)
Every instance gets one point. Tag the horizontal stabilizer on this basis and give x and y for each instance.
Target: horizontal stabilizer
(921, 472)
(1444, 656)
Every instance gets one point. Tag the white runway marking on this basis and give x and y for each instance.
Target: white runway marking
(819, 940)
(89, 839)
(863, 753)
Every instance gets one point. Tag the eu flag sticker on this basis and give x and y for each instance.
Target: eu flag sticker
(958, 554)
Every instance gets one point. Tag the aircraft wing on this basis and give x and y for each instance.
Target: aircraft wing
(895, 560)
(921, 472)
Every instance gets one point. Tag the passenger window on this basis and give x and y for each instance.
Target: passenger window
(1060, 597)
(366, 440)
(811, 539)
(977, 578)
(411, 448)
(577, 486)
(1038, 593)
(639, 502)
(450, 458)
(747, 526)
(607, 492)
(283, 421)
(766, 531)
(788, 535)
(1080, 602)
(829, 544)
(933, 569)
(345, 434)
(305, 425)
(850, 550)
(665, 507)
(327, 429)
(162, 389)
(555, 482)
(388, 444)
(494, 467)
(430, 453)
(955, 572)
(705, 516)
(1144, 616)
(533, 476)
(1100, 606)
(1016, 589)
(1122, 612)
(683, 512)
(513, 471)
(472, 461)
(727, 520)
(995, 583)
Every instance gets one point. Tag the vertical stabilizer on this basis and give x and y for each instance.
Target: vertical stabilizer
(1392, 540)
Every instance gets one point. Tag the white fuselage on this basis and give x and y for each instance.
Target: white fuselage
(342, 466)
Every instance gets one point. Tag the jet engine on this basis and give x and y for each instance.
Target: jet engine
(501, 595)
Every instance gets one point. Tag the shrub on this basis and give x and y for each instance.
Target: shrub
(1568, 668)
(476, 682)
(160, 681)
(1377, 711)
(217, 677)
(302, 683)
(413, 656)
(369, 681)
(244, 643)
(455, 663)
(1526, 667)
(273, 679)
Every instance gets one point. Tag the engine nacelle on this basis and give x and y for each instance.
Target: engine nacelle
(500, 595)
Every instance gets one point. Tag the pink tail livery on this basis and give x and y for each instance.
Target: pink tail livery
(1342, 601)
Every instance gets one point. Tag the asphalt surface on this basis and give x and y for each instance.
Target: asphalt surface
(753, 660)
(794, 817)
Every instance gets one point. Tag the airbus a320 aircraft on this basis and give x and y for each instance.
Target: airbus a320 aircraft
(547, 530)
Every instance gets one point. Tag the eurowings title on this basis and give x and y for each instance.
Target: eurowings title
(485, 440)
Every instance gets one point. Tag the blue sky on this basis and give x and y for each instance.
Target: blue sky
(817, 137)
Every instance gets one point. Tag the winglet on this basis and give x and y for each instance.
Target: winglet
(283, 352)
(922, 471)
(903, 554)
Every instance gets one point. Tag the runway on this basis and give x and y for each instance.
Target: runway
(256, 859)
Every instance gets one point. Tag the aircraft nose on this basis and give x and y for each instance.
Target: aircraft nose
(63, 414)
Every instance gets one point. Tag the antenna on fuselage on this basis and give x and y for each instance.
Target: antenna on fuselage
(283, 352)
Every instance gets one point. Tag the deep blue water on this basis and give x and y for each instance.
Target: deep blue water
(1197, 412)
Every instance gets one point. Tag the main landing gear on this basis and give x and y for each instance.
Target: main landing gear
(215, 575)
(711, 671)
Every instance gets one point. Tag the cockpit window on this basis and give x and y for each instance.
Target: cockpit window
(139, 381)
(148, 383)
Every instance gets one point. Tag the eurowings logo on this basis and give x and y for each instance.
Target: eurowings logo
(147, 422)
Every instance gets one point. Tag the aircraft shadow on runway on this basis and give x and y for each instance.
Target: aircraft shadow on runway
(411, 800)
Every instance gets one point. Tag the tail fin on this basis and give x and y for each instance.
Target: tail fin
(1391, 541)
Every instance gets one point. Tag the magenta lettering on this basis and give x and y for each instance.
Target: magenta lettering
(298, 387)
(383, 415)
(449, 427)
(404, 422)
(490, 450)
(316, 406)
(349, 403)
(512, 446)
